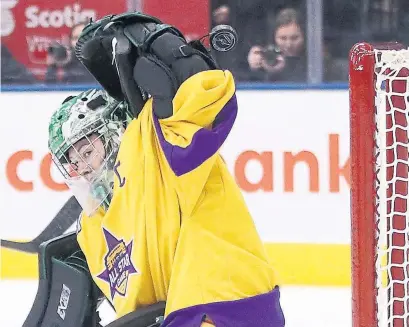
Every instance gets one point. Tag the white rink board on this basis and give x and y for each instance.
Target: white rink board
(278, 123)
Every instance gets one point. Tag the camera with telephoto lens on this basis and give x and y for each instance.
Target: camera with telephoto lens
(58, 51)
(271, 52)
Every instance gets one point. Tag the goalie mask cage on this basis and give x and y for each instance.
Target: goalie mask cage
(379, 107)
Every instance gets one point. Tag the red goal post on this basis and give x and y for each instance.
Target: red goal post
(379, 136)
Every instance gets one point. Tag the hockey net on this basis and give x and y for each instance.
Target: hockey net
(379, 108)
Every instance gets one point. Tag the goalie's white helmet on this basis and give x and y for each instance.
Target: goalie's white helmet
(84, 138)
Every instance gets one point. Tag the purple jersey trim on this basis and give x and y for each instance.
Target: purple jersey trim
(257, 311)
(204, 144)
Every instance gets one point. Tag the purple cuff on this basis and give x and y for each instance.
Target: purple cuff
(257, 311)
(205, 142)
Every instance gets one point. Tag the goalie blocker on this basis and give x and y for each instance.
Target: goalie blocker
(67, 296)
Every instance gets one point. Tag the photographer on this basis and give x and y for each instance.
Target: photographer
(63, 66)
(283, 61)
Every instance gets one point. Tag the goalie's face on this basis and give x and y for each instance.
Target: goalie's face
(84, 139)
(86, 156)
(89, 165)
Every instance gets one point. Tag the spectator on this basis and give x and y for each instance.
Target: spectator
(63, 65)
(285, 60)
(12, 71)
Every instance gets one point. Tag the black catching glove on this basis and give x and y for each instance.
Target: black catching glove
(134, 56)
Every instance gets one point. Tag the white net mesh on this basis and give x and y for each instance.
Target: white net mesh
(392, 165)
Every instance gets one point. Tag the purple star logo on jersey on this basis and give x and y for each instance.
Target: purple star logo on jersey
(118, 264)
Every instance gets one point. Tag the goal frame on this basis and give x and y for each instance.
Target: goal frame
(363, 194)
(372, 194)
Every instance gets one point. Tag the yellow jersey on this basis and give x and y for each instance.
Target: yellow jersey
(177, 228)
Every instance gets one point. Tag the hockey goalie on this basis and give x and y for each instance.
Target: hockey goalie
(165, 235)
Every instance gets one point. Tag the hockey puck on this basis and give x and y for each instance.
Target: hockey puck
(223, 38)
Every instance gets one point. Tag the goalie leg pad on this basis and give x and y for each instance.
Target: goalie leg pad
(149, 316)
(66, 295)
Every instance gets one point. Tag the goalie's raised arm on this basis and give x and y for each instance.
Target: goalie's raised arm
(134, 55)
(155, 192)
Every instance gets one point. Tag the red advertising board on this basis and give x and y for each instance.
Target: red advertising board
(191, 17)
(28, 27)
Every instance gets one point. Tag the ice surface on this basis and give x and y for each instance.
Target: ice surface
(303, 306)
